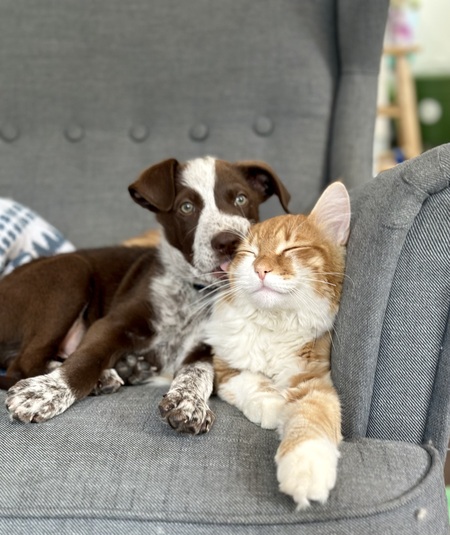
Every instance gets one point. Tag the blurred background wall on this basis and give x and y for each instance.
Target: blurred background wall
(414, 87)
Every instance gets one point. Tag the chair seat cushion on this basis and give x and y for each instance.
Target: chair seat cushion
(110, 465)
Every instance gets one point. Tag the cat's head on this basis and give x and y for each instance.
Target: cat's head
(295, 261)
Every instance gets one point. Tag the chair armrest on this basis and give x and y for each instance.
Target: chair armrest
(392, 348)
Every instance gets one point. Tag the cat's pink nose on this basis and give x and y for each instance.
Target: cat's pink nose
(262, 273)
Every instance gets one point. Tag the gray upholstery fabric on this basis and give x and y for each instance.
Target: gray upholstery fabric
(357, 31)
(396, 298)
(94, 93)
(110, 464)
(421, 292)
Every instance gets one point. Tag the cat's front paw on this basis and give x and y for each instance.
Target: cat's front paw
(308, 471)
(264, 409)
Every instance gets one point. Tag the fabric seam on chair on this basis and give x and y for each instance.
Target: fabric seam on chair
(442, 170)
(429, 441)
(343, 514)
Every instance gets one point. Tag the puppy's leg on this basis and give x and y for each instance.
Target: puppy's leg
(108, 383)
(43, 397)
(42, 299)
(185, 407)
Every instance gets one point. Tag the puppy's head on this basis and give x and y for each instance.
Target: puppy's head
(206, 205)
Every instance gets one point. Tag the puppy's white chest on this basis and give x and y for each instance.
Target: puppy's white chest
(178, 330)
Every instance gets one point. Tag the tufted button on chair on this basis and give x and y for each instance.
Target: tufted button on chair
(74, 133)
(139, 133)
(9, 133)
(199, 132)
(263, 126)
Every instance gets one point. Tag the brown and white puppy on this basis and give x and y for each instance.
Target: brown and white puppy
(139, 310)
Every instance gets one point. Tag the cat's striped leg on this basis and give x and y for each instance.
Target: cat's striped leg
(310, 431)
(252, 393)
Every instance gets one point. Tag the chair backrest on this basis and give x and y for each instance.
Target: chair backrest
(94, 92)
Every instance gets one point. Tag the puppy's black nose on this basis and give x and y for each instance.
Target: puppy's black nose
(225, 243)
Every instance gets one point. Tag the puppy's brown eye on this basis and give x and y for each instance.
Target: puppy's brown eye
(187, 208)
(241, 200)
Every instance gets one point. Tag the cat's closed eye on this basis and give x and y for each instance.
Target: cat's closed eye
(245, 251)
(295, 248)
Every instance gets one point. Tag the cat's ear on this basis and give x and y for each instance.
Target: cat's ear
(332, 213)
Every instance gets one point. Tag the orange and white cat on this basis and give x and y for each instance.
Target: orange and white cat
(270, 332)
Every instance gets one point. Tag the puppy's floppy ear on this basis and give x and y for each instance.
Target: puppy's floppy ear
(263, 179)
(155, 188)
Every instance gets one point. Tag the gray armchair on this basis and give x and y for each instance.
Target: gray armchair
(94, 92)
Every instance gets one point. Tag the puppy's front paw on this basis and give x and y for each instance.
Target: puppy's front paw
(308, 471)
(134, 369)
(186, 413)
(108, 383)
(264, 409)
(39, 398)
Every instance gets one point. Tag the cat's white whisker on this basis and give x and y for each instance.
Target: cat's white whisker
(240, 234)
(306, 285)
(318, 280)
(205, 301)
(231, 292)
(339, 274)
(191, 231)
(214, 285)
(201, 307)
(310, 303)
(219, 291)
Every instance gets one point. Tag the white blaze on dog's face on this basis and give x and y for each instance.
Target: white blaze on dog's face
(200, 176)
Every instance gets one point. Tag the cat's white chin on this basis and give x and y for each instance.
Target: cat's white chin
(266, 297)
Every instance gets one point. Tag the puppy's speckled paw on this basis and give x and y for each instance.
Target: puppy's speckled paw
(39, 398)
(186, 413)
(108, 383)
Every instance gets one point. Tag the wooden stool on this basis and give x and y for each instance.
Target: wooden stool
(404, 110)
